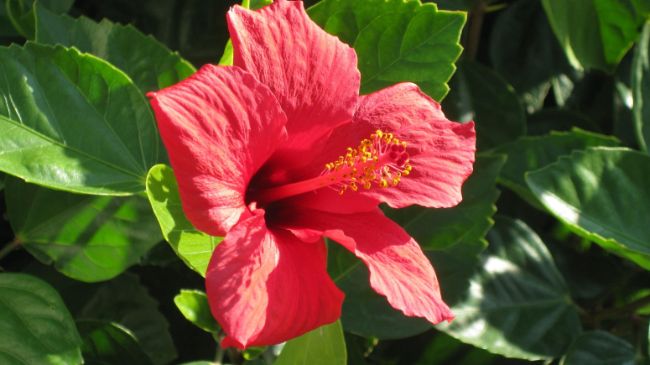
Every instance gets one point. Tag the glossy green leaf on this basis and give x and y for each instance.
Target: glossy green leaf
(531, 153)
(192, 246)
(599, 348)
(523, 48)
(517, 304)
(146, 61)
(194, 306)
(198, 363)
(453, 238)
(73, 122)
(595, 33)
(641, 89)
(110, 343)
(396, 41)
(35, 325)
(593, 192)
(128, 303)
(323, 346)
(480, 94)
(88, 238)
(548, 120)
(21, 14)
(6, 28)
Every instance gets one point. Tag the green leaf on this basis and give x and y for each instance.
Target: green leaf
(192, 246)
(149, 63)
(641, 89)
(593, 192)
(523, 48)
(480, 94)
(35, 325)
(518, 304)
(453, 237)
(551, 119)
(396, 41)
(531, 153)
(73, 122)
(128, 303)
(21, 14)
(599, 348)
(194, 306)
(6, 27)
(595, 33)
(323, 346)
(88, 238)
(110, 343)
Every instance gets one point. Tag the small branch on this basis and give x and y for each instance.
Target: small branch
(10, 247)
(623, 311)
(218, 356)
(476, 15)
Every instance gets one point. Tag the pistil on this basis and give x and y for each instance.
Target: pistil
(379, 161)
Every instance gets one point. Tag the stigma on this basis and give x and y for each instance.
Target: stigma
(379, 161)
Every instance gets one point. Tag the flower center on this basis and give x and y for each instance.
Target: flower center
(378, 161)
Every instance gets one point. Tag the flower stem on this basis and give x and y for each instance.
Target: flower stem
(10, 247)
(625, 310)
(476, 15)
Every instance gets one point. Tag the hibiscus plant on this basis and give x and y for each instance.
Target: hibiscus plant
(324, 182)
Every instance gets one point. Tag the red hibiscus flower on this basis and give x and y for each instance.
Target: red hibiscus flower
(279, 151)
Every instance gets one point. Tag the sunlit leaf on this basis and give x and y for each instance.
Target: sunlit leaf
(146, 61)
(396, 40)
(193, 304)
(593, 192)
(35, 325)
(641, 89)
(88, 238)
(517, 304)
(595, 33)
(110, 343)
(531, 153)
(73, 122)
(323, 346)
(192, 246)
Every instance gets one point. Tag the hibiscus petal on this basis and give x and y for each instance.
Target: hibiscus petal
(219, 126)
(313, 75)
(441, 152)
(266, 286)
(398, 268)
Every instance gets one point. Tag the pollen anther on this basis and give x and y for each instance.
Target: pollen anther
(380, 160)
